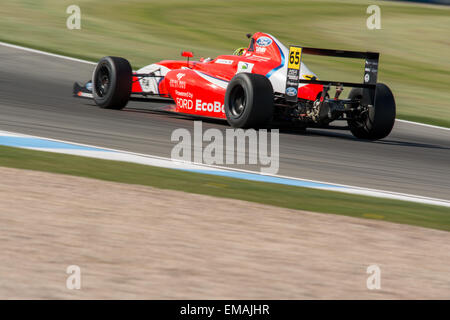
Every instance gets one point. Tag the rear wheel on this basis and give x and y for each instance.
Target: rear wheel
(249, 101)
(379, 119)
(111, 83)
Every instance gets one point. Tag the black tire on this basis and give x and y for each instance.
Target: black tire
(111, 83)
(249, 101)
(379, 120)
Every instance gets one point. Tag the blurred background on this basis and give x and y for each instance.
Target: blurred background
(413, 39)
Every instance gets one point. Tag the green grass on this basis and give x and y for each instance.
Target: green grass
(266, 193)
(413, 41)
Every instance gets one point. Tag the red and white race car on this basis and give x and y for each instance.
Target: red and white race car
(256, 87)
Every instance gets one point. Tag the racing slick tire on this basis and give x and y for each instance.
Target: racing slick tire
(379, 121)
(249, 101)
(111, 83)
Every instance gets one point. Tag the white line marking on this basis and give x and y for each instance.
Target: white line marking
(422, 124)
(45, 53)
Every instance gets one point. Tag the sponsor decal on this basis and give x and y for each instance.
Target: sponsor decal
(145, 84)
(224, 61)
(184, 94)
(215, 106)
(149, 84)
(177, 84)
(264, 41)
(291, 92)
(261, 50)
(244, 67)
(293, 73)
(366, 78)
(180, 75)
(185, 103)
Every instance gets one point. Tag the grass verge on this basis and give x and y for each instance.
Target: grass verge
(266, 193)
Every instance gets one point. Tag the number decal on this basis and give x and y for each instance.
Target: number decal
(295, 57)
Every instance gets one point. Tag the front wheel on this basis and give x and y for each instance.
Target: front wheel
(377, 122)
(249, 101)
(111, 83)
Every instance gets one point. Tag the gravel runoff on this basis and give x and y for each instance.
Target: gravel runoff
(137, 242)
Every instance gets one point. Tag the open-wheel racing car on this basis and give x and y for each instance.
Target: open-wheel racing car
(255, 87)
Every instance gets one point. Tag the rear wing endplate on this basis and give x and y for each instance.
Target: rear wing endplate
(294, 65)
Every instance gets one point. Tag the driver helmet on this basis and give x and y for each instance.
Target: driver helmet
(239, 51)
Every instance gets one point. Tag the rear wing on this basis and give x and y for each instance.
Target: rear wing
(294, 66)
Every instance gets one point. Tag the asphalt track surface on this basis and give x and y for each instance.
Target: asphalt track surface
(36, 98)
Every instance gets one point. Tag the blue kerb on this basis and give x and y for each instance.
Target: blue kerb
(24, 142)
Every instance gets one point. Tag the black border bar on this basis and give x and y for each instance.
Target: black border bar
(278, 309)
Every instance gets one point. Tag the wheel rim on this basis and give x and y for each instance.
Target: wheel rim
(102, 81)
(238, 101)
